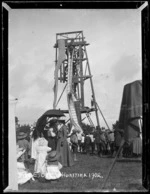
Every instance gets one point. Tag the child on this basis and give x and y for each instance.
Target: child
(41, 149)
(53, 166)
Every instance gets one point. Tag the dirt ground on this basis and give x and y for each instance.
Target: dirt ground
(88, 174)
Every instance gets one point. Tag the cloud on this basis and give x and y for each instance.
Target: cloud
(126, 67)
(28, 114)
(35, 97)
(114, 37)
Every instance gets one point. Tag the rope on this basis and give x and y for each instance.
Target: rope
(113, 163)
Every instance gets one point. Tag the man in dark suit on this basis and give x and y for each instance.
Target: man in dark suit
(87, 143)
(97, 141)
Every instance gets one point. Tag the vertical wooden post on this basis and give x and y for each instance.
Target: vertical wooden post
(12, 156)
(92, 87)
(81, 76)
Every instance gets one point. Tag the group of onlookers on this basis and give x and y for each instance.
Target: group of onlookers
(55, 147)
(96, 142)
(48, 149)
(100, 143)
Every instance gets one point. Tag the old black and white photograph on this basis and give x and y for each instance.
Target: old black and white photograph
(75, 109)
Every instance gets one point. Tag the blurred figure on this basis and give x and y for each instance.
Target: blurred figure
(92, 102)
(87, 143)
(118, 134)
(23, 174)
(34, 142)
(23, 143)
(79, 135)
(103, 143)
(91, 135)
(111, 142)
(97, 140)
(69, 142)
(51, 134)
(69, 126)
(74, 142)
(137, 146)
(127, 150)
(82, 143)
(32, 128)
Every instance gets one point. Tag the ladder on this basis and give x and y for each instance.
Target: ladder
(90, 120)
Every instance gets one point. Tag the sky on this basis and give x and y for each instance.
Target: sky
(114, 57)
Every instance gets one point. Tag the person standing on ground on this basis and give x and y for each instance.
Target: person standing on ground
(42, 149)
(87, 143)
(74, 142)
(97, 141)
(92, 142)
(118, 139)
(23, 143)
(34, 142)
(79, 135)
(51, 134)
(103, 143)
(23, 174)
(111, 141)
(66, 157)
(83, 143)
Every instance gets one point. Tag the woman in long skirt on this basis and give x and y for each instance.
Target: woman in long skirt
(66, 156)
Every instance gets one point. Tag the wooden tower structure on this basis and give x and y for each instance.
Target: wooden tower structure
(81, 71)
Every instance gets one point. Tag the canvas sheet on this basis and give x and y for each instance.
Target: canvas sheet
(131, 106)
(131, 110)
(61, 58)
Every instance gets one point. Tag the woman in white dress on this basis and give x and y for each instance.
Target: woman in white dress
(41, 152)
(34, 143)
(53, 166)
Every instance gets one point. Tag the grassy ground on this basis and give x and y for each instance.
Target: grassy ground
(88, 174)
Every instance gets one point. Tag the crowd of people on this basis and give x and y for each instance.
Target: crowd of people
(47, 149)
(97, 142)
(56, 147)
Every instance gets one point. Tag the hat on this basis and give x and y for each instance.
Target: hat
(53, 156)
(53, 121)
(21, 135)
(61, 121)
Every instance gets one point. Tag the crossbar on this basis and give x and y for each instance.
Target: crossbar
(69, 32)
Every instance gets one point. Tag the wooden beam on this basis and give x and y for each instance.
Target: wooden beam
(82, 43)
(69, 32)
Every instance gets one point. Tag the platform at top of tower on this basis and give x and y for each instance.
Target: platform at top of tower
(65, 33)
(74, 43)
